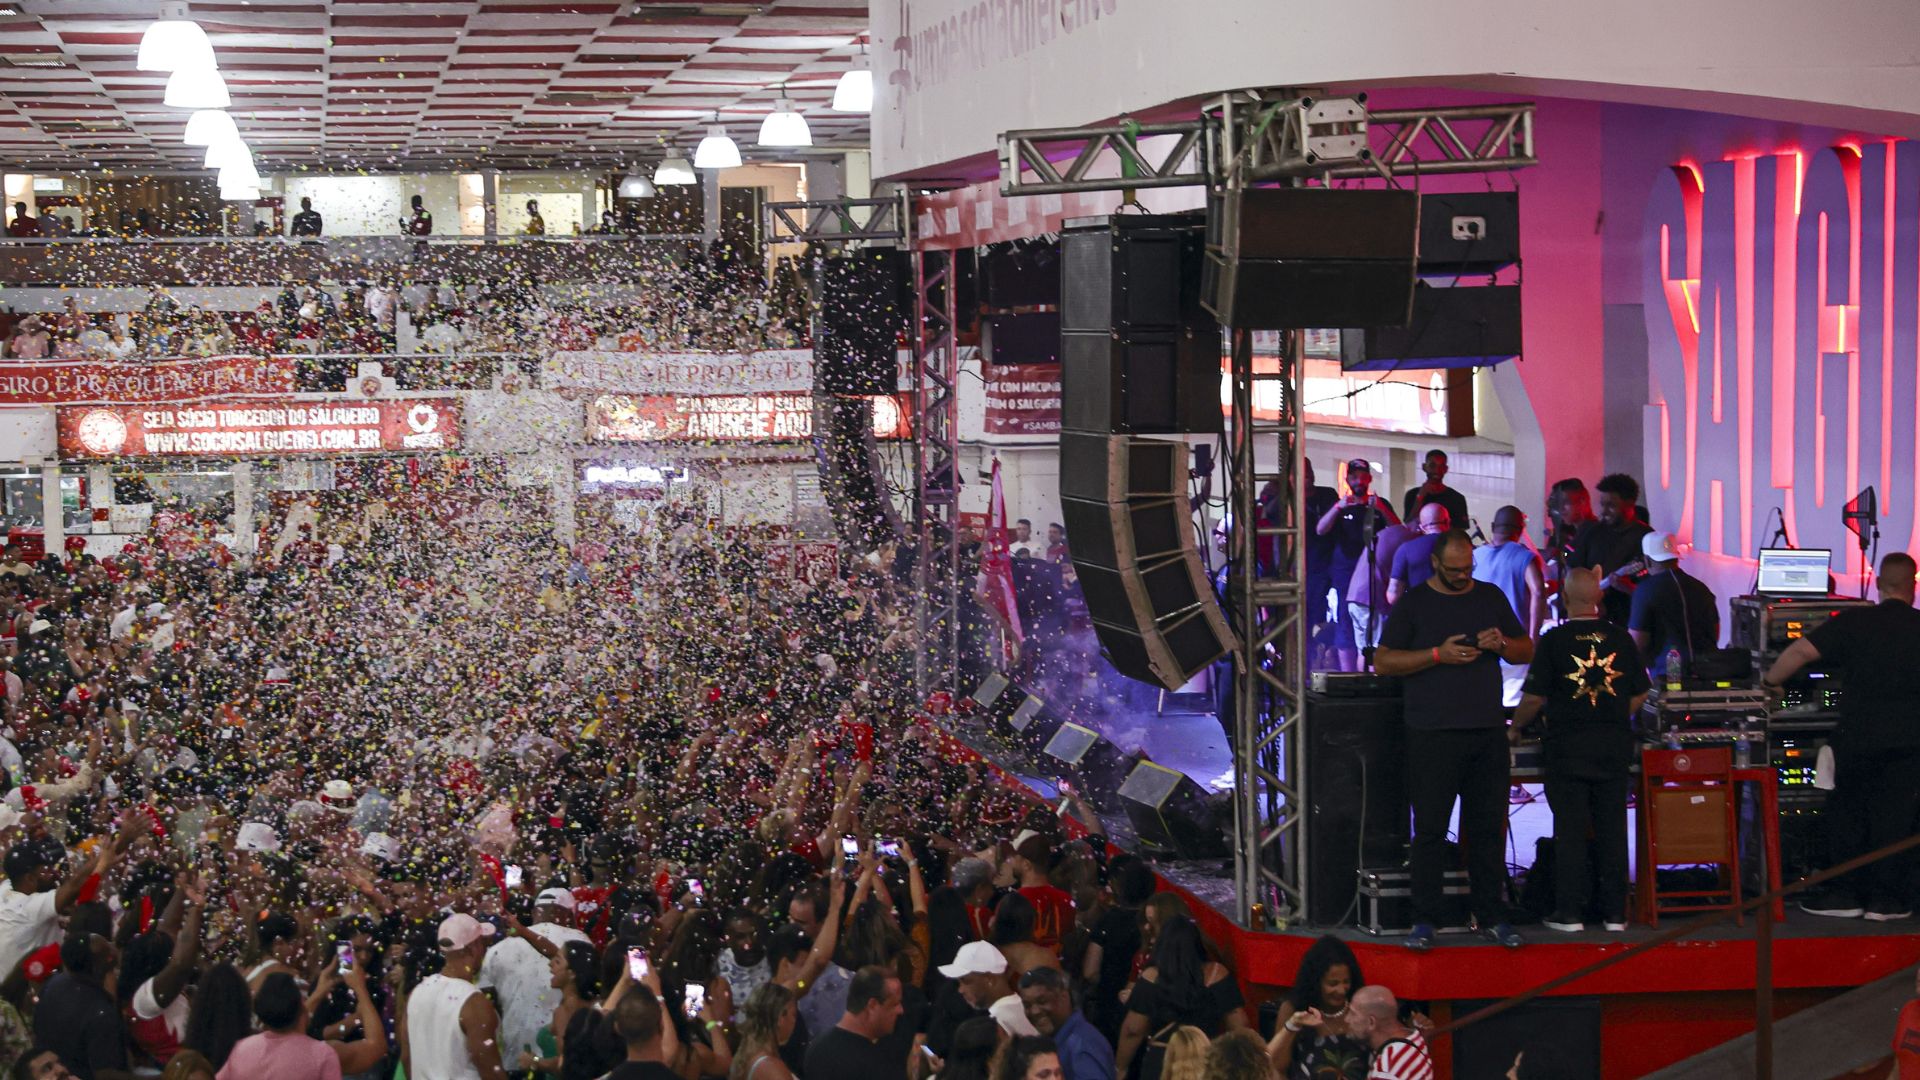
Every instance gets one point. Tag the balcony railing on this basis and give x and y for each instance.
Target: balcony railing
(226, 260)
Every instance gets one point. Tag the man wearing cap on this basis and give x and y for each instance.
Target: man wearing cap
(980, 969)
(1671, 609)
(1511, 565)
(452, 1031)
(519, 973)
(1358, 516)
(31, 909)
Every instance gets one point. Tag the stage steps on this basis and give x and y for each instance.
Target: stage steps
(1847, 1032)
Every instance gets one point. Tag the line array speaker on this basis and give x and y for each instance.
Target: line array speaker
(851, 479)
(861, 317)
(1299, 258)
(1462, 326)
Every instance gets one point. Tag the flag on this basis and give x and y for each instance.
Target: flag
(996, 567)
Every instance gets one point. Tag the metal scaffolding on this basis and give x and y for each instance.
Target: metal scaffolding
(936, 466)
(1241, 139)
(884, 221)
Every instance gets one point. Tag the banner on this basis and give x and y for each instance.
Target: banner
(815, 562)
(48, 382)
(679, 373)
(265, 428)
(784, 417)
(1022, 399)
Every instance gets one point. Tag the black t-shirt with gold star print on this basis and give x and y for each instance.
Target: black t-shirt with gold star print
(1589, 672)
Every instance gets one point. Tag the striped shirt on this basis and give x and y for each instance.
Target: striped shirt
(1402, 1059)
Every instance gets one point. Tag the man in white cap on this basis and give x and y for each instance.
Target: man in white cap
(1672, 609)
(452, 1032)
(519, 973)
(981, 971)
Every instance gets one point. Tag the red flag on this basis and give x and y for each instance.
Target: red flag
(996, 566)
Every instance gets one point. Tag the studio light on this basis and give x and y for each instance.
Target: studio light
(635, 186)
(854, 92)
(175, 43)
(674, 170)
(717, 150)
(784, 126)
(197, 88)
(207, 127)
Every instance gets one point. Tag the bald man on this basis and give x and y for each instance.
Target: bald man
(1587, 681)
(1399, 1052)
(1446, 639)
(1413, 560)
(1876, 751)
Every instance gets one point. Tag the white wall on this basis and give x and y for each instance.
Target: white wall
(949, 75)
(351, 205)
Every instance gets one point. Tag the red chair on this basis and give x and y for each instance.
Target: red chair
(1689, 816)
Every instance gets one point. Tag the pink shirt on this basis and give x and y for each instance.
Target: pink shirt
(288, 1056)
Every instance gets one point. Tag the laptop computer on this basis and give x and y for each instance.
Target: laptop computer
(1791, 573)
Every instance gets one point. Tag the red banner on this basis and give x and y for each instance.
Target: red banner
(1023, 399)
(264, 428)
(46, 382)
(815, 562)
(780, 417)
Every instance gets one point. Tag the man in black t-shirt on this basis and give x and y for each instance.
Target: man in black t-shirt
(1446, 639)
(1876, 752)
(642, 1024)
(1435, 490)
(1611, 545)
(1588, 682)
(1672, 609)
(859, 1045)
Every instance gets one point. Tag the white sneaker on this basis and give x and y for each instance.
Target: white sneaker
(1615, 927)
(1566, 927)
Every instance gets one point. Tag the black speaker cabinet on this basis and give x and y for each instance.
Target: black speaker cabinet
(861, 317)
(1469, 232)
(1170, 814)
(1138, 352)
(1357, 796)
(1026, 338)
(1094, 764)
(1462, 326)
(850, 475)
(1020, 273)
(1299, 258)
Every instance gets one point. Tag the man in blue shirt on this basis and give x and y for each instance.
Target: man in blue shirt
(1085, 1054)
(1413, 560)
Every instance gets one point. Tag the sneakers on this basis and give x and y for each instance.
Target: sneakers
(1504, 935)
(1887, 911)
(1615, 927)
(1833, 905)
(1565, 924)
(1421, 938)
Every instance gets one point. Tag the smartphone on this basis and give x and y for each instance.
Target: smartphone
(927, 1050)
(637, 965)
(698, 890)
(849, 846)
(514, 877)
(889, 849)
(343, 955)
(696, 1000)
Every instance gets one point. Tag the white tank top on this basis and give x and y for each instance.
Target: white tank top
(434, 1039)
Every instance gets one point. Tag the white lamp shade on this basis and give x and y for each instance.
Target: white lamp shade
(197, 88)
(854, 93)
(240, 194)
(674, 170)
(226, 152)
(784, 126)
(717, 150)
(239, 172)
(635, 186)
(174, 43)
(207, 127)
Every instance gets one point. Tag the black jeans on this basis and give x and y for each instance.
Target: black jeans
(1876, 796)
(1579, 805)
(1470, 764)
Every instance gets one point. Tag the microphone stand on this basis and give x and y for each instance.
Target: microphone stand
(1370, 538)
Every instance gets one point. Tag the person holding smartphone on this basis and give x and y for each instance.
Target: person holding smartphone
(518, 969)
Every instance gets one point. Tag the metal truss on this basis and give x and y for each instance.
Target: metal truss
(1025, 168)
(884, 221)
(1241, 139)
(936, 468)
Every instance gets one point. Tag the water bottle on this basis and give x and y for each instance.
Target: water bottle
(1743, 746)
(1673, 671)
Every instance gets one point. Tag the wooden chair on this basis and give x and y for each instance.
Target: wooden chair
(1689, 816)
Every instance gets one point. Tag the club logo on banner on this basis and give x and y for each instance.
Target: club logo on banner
(52, 382)
(257, 428)
(1022, 399)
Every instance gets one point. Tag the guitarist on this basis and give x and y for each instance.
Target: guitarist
(1610, 545)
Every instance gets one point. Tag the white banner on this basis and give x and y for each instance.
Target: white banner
(693, 373)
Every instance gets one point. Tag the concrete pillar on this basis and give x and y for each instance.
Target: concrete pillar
(490, 200)
(100, 487)
(243, 526)
(710, 204)
(53, 517)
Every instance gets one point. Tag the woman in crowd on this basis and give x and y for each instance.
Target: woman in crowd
(971, 1055)
(1310, 1039)
(1185, 1054)
(222, 1015)
(1030, 1058)
(768, 1021)
(1181, 986)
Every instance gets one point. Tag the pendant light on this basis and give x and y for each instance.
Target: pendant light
(197, 88)
(784, 126)
(174, 43)
(717, 150)
(854, 92)
(674, 170)
(635, 186)
(240, 194)
(226, 152)
(209, 126)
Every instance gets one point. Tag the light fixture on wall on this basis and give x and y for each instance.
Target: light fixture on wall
(197, 88)
(717, 150)
(674, 170)
(174, 43)
(635, 186)
(209, 126)
(854, 91)
(784, 126)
